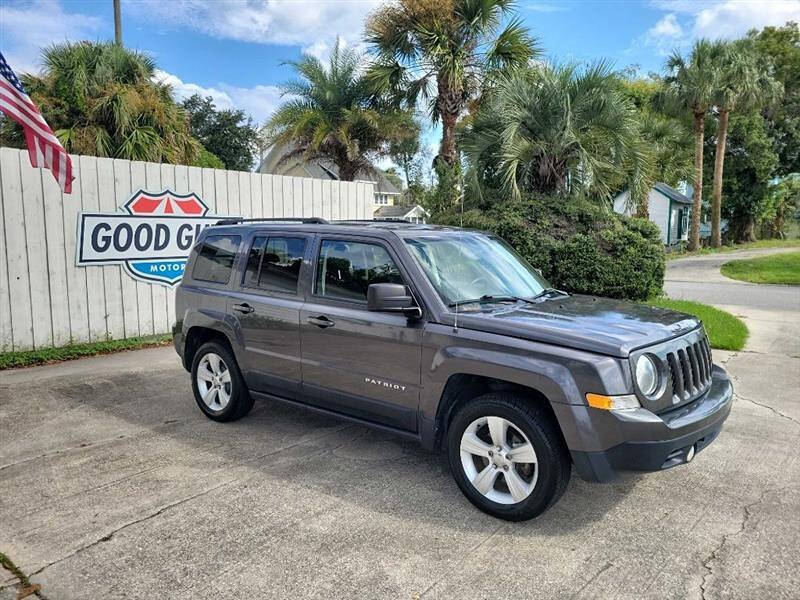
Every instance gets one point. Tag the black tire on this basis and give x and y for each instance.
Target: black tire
(240, 401)
(537, 423)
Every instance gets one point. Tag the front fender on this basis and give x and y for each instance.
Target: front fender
(562, 375)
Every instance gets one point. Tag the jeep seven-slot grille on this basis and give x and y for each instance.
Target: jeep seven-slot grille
(690, 369)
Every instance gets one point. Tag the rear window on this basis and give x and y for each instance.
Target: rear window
(215, 260)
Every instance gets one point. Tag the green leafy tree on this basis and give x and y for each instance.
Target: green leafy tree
(744, 84)
(555, 129)
(666, 145)
(228, 134)
(749, 166)
(333, 113)
(665, 142)
(781, 46)
(455, 46)
(782, 204)
(101, 100)
(690, 86)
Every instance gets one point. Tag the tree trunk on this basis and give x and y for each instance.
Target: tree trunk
(347, 171)
(448, 150)
(697, 197)
(719, 159)
(748, 234)
(448, 105)
(643, 205)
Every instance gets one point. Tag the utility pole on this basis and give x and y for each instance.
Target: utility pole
(117, 23)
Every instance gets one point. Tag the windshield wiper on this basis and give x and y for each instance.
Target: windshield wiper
(489, 298)
(547, 292)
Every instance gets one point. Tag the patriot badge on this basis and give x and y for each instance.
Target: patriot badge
(151, 237)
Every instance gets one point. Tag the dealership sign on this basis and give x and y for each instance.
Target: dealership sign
(151, 239)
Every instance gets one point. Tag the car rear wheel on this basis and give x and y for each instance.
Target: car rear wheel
(507, 456)
(218, 386)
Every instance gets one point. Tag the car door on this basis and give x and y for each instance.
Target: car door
(359, 362)
(267, 304)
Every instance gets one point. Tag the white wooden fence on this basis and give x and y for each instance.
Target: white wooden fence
(45, 300)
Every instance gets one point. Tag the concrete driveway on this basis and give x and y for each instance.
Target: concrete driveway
(113, 485)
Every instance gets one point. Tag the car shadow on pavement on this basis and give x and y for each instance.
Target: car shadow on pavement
(122, 421)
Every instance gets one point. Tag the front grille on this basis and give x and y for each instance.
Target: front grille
(690, 370)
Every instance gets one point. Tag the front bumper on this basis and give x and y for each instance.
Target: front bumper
(639, 440)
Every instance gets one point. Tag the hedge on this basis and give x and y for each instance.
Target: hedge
(579, 246)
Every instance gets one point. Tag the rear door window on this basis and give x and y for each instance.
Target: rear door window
(214, 262)
(274, 263)
(346, 269)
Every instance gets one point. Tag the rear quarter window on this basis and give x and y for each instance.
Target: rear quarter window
(215, 258)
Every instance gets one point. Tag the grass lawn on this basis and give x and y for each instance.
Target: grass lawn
(725, 331)
(794, 243)
(29, 358)
(779, 268)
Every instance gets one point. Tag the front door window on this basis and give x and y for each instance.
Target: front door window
(346, 269)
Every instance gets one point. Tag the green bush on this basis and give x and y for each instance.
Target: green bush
(579, 246)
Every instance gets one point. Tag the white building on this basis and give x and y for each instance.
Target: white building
(668, 208)
(276, 163)
(412, 214)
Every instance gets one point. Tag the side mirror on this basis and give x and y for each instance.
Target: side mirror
(391, 297)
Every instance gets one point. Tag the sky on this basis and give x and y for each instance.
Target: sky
(234, 50)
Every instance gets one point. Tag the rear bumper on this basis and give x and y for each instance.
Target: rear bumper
(643, 441)
(178, 341)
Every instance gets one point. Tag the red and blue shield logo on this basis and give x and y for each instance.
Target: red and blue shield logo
(165, 203)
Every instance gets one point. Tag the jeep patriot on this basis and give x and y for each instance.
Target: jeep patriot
(449, 337)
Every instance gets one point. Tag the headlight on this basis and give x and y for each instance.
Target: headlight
(646, 375)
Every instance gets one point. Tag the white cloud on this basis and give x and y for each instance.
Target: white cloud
(668, 27)
(259, 101)
(182, 90)
(688, 20)
(311, 24)
(27, 28)
(545, 7)
(733, 18)
(729, 18)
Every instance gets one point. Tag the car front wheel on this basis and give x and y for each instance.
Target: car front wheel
(507, 456)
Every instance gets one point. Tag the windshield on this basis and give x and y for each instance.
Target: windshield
(473, 267)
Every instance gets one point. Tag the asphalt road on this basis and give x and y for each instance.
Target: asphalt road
(772, 312)
(113, 485)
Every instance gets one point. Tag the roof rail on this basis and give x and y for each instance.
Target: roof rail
(375, 220)
(304, 220)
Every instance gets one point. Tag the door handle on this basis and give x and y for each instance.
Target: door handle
(322, 322)
(243, 308)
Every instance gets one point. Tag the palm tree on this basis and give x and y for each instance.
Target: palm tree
(555, 129)
(101, 100)
(691, 85)
(667, 146)
(332, 113)
(745, 84)
(454, 44)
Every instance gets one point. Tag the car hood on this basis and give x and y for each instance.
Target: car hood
(603, 325)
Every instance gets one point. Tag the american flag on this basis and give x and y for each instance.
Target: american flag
(44, 149)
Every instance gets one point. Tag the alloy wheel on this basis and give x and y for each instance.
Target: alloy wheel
(214, 381)
(499, 460)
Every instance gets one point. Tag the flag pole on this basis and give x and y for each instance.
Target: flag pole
(117, 23)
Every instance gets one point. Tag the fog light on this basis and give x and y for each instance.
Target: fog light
(690, 454)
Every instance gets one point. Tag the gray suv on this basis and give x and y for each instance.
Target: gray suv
(449, 337)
